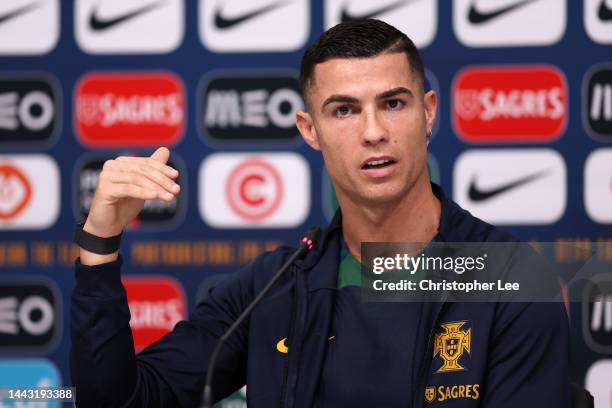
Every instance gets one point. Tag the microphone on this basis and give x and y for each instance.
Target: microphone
(308, 241)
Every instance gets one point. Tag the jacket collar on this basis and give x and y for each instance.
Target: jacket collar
(450, 215)
(322, 262)
(325, 257)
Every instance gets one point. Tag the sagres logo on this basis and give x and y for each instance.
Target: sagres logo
(598, 185)
(156, 214)
(597, 102)
(30, 311)
(506, 104)
(156, 305)
(493, 23)
(136, 26)
(511, 186)
(249, 107)
(29, 373)
(29, 109)
(451, 392)
(29, 191)
(254, 26)
(29, 27)
(129, 109)
(417, 18)
(254, 190)
(451, 344)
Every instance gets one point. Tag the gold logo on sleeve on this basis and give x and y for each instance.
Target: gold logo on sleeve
(451, 344)
(281, 346)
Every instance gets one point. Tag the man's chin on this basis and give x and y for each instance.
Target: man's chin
(378, 197)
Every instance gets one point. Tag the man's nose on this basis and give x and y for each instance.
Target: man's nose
(374, 130)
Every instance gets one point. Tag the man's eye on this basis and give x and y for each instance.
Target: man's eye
(395, 104)
(343, 111)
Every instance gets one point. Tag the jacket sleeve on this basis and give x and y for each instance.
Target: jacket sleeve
(529, 357)
(170, 372)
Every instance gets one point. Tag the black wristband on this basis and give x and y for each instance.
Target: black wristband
(94, 243)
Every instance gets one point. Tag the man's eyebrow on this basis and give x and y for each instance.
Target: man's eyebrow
(339, 98)
(394, 92)
(383, 95)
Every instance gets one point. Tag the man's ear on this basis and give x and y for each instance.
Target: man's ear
(305, 125)
(430, 100)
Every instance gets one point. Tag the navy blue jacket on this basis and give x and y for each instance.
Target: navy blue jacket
(518, 354)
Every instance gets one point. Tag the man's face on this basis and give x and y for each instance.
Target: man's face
(369, 118)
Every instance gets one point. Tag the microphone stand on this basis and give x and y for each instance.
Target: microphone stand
(306, 244)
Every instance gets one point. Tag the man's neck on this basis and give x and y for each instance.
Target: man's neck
(414, 219)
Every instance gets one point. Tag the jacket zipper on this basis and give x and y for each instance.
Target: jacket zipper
(425, 365)
(290, 337)
(296, 343)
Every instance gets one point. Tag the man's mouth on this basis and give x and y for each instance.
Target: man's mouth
(377, 164)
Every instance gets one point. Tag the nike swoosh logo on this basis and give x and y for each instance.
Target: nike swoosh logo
(17, 12)
(98, 24)
(604, 12)
(222, 22)
(477, 194)
(477, 17)
(281, 346)
(346, 16)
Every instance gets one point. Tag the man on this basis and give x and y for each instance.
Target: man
(312, 342)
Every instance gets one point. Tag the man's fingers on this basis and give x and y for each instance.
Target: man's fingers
(146, 178)
(167, 170)
(138, 180)
(144, 170)
(141, 179)
(161, 155)
(131, 191)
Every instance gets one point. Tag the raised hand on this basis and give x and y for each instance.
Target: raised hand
(124, 185)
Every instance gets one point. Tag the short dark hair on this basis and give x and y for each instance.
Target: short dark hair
(359, 39)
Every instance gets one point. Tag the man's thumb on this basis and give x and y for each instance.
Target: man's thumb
(161, 155)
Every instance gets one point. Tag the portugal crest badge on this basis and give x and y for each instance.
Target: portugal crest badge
(451, 344)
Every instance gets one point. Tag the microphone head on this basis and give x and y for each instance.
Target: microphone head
(314, 234)
(311, 238)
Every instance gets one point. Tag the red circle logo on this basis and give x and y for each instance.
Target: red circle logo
(15, 191)
(254, 189)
